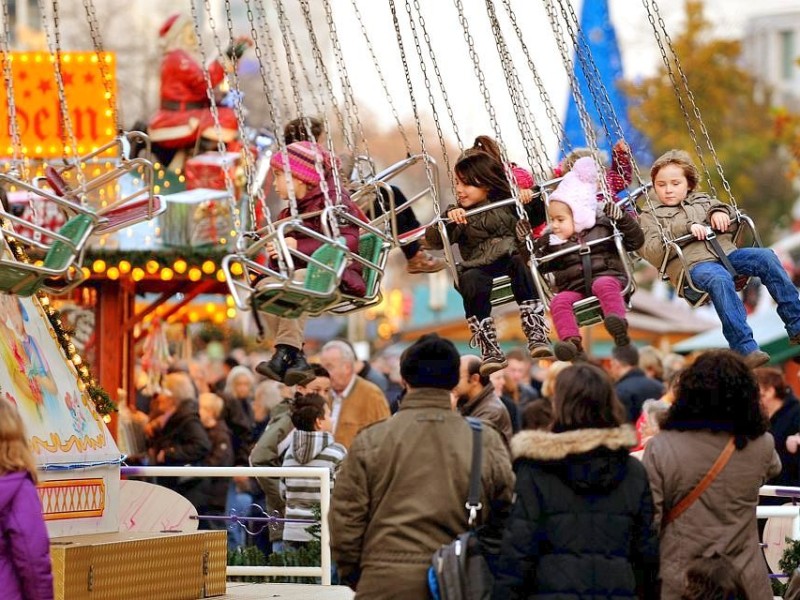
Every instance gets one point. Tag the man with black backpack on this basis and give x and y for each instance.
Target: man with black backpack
(401, 490)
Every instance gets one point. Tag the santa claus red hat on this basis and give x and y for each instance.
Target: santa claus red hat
(578, 190)
(173, 26)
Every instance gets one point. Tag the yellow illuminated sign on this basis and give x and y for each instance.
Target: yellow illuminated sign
(40, 120)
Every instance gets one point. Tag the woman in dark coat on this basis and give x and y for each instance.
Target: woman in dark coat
(582, 522)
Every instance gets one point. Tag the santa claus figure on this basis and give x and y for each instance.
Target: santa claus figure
(185, 111)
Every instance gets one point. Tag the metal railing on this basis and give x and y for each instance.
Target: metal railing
(321, 473)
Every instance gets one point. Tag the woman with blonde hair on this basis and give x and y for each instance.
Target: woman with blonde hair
(25, 571)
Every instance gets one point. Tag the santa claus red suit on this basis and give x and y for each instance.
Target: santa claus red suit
(185, 111)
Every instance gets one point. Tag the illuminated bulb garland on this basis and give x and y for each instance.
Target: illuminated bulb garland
(103, 403)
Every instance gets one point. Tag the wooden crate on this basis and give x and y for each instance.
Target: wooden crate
(131, 566)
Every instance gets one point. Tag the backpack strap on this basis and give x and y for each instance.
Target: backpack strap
(701, 487)
(473, 504)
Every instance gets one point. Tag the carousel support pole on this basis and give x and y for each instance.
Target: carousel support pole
(114, 352)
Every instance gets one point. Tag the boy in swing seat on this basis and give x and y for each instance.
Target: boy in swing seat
(576, 220)
(683, 210)
(288, 364)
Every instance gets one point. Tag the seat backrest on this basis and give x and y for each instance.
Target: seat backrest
(322, 280)
(60, 254)
(369, 248)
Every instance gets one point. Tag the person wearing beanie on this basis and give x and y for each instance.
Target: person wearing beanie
(185, 110)
(297, 175)
(419, 260)
(576, 220)
(401, 489)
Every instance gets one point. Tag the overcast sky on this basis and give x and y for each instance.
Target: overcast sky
(639, 53)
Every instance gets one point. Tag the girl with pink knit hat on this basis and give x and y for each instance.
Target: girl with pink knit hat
(575, 220)
(308, 164)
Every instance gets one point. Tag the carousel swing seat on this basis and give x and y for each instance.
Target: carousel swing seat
(25, 279)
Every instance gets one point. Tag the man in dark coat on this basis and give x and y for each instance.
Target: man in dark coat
(633, 386)
(401, 490)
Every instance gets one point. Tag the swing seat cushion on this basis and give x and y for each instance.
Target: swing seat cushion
(60, 254)
(369, 248)
(131, 213)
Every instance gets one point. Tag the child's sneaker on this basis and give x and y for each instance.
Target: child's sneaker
(569, 350)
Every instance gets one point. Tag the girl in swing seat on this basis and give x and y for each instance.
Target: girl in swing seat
(575, 220)
(288, 364)
(488, 246)
(683, 210)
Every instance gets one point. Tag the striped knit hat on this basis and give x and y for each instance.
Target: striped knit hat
(302, 161)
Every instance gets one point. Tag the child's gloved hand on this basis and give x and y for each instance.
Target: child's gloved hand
(613, 211)
(522, 229)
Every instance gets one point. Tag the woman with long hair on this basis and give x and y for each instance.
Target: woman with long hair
(716, 407)
(582, 522)
(25, 570)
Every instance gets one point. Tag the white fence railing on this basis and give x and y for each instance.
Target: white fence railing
(321, 473)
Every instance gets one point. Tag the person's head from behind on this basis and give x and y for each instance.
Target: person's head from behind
(718, 392)
(297, 130)
(310, 412)
(480, 177)
(572, 207)
(654, 411)
(549, 383)
(299, 170)
(338, 358)
(266, 397)
(584, 398)
(623, 359)
(651, 362)
(538, 415)
(712, 578)
(15, 455)
(430, 362)
(321, 384)
(674, 177)
(211, 407)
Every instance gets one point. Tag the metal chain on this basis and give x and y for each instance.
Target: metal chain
(519, 100)
(349, 96)
(278, 81)
(238, 109)
(695, 107)
(309, 84)
(520, 210)
(100, 53)
(431, 99)
(19, 159)
(425, 158)
(273, 112)
(583, 114)
(378, 69)
(597, 89)
(438, 74)
(54, 46)
(229, 184)
(322, 75)
(552, 114)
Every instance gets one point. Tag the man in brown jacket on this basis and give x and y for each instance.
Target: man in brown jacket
(475, 397)
(401, 490)
(356, 402)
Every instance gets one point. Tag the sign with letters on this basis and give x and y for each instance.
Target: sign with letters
(43, 128)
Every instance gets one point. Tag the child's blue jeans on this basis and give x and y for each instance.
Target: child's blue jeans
(756, 262)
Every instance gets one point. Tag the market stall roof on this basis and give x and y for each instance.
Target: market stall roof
(768, 331)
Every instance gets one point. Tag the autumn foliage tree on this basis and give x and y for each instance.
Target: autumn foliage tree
(741, 123)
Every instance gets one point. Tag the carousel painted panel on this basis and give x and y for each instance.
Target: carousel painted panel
(79, 482)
